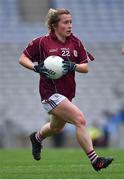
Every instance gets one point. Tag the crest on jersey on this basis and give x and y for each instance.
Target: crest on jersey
(75, 53)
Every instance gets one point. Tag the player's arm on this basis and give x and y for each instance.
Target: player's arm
(30, 55)
(26, 62)
(83, 57)
(82, 68)
(69, 66)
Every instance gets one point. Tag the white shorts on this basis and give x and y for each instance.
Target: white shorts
(53, 101)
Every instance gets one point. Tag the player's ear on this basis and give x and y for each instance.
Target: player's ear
(54, 26)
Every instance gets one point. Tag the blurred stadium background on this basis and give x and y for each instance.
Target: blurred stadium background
(100, 93)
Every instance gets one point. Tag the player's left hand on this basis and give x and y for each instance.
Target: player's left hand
(68, 66)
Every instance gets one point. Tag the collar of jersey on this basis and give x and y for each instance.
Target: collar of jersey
(53, 36)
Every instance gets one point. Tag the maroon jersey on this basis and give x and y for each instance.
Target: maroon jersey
(40, 48)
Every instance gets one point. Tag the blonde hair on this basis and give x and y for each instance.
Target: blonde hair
(53, 17)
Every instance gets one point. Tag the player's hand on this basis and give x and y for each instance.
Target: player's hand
(68, 66)
(41, 69)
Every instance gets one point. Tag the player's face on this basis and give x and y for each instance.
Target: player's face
(64, 26)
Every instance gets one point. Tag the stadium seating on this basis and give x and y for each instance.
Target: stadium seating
(96, 21)
(100, 25)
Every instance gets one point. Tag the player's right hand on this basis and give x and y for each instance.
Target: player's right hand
(41, 69)
(38, 68)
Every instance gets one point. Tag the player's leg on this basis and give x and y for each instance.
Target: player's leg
(70, 113)
(54, 126)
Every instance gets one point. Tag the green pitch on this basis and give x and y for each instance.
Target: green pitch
(58, 163)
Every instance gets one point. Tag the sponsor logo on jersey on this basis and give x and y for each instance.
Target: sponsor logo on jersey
(65, 49)
(53, 50)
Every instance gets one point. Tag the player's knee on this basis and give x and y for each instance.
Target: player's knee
(80, 120)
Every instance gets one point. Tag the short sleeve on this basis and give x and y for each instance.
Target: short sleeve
(82, 53)
(90, 56)
(32, 51)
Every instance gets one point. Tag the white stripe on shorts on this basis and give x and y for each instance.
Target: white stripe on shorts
(53, 101)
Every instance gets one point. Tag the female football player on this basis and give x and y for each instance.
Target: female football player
(57, 95)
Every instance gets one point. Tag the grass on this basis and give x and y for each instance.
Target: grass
(58, 164)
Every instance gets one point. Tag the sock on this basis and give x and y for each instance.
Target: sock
(92, 156)
(39, 137)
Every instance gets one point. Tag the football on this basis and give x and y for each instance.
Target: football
(54, 66)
